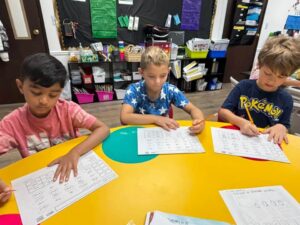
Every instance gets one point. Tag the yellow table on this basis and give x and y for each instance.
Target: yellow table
(184, 184)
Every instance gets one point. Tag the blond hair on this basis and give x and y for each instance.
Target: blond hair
(281, 54)
(154, 55)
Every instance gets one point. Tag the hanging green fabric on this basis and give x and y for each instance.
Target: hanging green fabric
(104, 18)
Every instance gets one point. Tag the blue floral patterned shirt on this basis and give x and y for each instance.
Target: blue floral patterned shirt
(136, 96)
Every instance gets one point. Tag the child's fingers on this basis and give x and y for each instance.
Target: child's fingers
(75, 170)
(5, 197)
(57, 172)
(63, 174)
(67, 176)
(285, 138)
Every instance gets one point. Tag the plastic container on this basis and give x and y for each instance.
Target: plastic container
(84, 98)
(217, 54)
(104, 96)
(120, 93)
(174, 51)
(196, 55)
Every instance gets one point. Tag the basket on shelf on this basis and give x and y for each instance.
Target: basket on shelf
(104, 96)
(133, 53)
(84, 98)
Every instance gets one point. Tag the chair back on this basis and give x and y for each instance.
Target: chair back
(233, 81)
(295, 120)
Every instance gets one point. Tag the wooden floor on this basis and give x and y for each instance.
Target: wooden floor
(108, 112)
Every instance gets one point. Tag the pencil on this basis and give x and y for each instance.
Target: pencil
(208, 117)
(9, 191)
(248, 113)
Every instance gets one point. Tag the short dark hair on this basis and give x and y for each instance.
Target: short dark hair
(44, 70)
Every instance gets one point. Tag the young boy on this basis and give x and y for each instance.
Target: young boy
(45, 120)
(5, 192)
(149, 101)
(268, 104)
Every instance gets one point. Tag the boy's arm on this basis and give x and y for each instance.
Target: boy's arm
(129, 117)
(197, 116)
(245, 126)
(68, 162)
(292, 82)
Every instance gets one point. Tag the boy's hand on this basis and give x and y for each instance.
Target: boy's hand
(166, 123)
(249, 129)
(197, 126)
(5, 192)
(278, 133)
(67, 163)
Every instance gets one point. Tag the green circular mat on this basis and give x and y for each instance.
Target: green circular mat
(121, 146)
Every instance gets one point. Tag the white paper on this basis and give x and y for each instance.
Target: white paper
(233, 142)
(162, 218)
(159, 141)
(262, 206)
(39, 198)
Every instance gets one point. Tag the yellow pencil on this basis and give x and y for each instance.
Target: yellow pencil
(248, 113)
(208, 117)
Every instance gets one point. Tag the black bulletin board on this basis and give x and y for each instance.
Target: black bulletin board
(149, 12)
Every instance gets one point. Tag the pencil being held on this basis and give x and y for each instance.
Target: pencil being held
(199, 124)
(248, 127)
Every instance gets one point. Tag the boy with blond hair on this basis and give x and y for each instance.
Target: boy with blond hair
(149, 100)
(269, 105)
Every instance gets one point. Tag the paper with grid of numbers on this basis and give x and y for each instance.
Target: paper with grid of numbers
(159, 141)
(233, 142)
(39, 198)
(272, 205)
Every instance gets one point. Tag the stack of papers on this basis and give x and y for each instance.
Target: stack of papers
(161, 218)
(194, 71)
(159, 141)
(39, 198)
(233, 142)
(263, 205)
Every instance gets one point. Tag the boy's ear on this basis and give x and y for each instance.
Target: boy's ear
(141, 71)
(19, 85)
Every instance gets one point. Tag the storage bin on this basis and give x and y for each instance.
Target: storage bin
(133, 53)
(174, 51)
(104, 96)
(217, 54)
(99, 74)
(120, 93)
(83, 98)
(196, 55)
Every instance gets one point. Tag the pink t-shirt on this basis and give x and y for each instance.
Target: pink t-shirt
(20, 129)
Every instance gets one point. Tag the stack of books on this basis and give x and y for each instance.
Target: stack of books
(194, 71)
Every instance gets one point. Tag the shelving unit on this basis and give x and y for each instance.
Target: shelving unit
(114, 78)
(119, 81)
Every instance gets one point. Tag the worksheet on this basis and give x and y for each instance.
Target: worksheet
(262, 206)
(233, 142)
(159, 141)
(162, 218)
(39, 198)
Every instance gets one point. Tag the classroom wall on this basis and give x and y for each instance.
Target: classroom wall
(274, 20)
(53, 39)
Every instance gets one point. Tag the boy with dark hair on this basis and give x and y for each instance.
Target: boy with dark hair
(269, 105)
(45, 120)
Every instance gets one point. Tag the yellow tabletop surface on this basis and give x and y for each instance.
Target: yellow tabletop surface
(183, 184)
